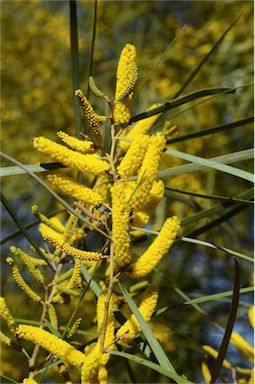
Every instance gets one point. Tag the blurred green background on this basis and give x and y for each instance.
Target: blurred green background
(171, 38)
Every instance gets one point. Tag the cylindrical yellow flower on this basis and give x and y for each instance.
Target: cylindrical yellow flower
(5, 339)
(242, 346)
(83, 146)
(134, 156)
(148, 172)
(53, 222)
(52, 343)
(79, 192)
(131, 327)
(74, 328)
(120, 225)
(90, 115)
(211, 351)
(56, 240)
(52, 315)
(206, 372)
(127, 73)
(126, 79)
(251, 315)
(140, 128)
(29, 381)
(147, 262)
(5, 314)
(75, 275)
(89, 371)
(21, 282)
(28, 262)
(69, 158)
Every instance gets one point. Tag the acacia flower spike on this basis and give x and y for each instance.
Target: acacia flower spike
(77, 161)
(52, 343)
(131, 327)
(79, 192)
(91, 116)
(146, 263)
(82, 146)
(57, 241)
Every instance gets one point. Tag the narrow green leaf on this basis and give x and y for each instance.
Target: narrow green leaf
(205, 58)
(153, 342)
(212, 197)
(7, 380)
(210, 131)
(212, 164)
(35, 168)
(75, 62)
(216, 208)
(149, 364)
(217, 296)
(230, 325)
(206, 299)
(180, 101)
(219, 248)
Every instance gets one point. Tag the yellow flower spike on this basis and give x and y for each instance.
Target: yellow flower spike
(21, 282)
(5, 314)
(82, 146)
(56, 240)
(29, 381)
(52, 343)
(242, 346)
(76, 274)
(79, 192)
(251, 316)
(78, 234)
(127, 73)
(120, 225)
(102, 375)
(139, 219)
(27, 260)
(69, 158)
(53, 222)
(52, 315)
(89, 371)
(131, 327)
(211, 351)
(206, 372)
(121, 112)
(147, 262)
(148, 172)
(156, 193)
(5, 339)
(140, 128)
(74, 328)
(91, 116)
(134, 156)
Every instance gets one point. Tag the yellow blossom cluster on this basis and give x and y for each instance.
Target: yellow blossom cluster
(146, 263)
(120, 225)
(30, 262)
(134, 156)
(93, 369)
(82, 146)
(77, 191)
(21, 282)
(148, 171)
(88, 163)
(127, 76)
(5, 314)
(91, 116)
(52, 343)
(140, 128)
(131, 327)
(57, 241)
